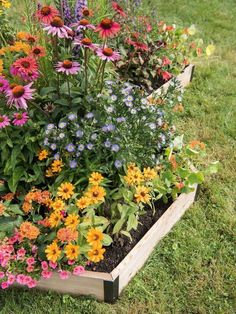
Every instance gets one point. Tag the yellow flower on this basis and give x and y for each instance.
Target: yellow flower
(142, 194)
(149, 174)
(96, 194)
(20, 46)
(58, 205)
(95, 178)
(96, 254)
(43, 154)
(2, 208)
(5, 3)
(94, 237)
(132, 167)
(72, 251)
(49, 173)
(55, 219)
(134, 177)
(83, 202)
(3, 51)
(56, 166)
(22, 35)
(65, 190)
(1, 66)
(72, 221)
(53, 252)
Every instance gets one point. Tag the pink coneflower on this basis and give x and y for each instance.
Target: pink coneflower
(108, 28)
(46, 14)
(86, 12)
(68, 67)
(30, 76)
(58, 28)
(107, 54)
(26, 68)
(20, 118)
(4, 121)
(38, 51)
(18, 94)
(118, 9)
(138, 45)
(86, 43)
(83, 25)
(31, 39)
(4, 85)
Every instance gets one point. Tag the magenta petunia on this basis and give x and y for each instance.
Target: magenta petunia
(68, 67)
(4, 121)
(108, 54)
(58, 28)
(20, 118)
(19, 94)
(4, 84)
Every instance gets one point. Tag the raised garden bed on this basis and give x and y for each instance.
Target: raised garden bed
(108, 286)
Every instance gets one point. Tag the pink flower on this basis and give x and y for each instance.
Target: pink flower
(32, 76)
(166, 76)
(86, 43)
(52, 265)
(4, 121)
(44, 265)
(68, 67)
(64, 274)
(57, 28)
(108, 28)
(107, 54)
(21, 253)
(18, 94)
(138, 45)
(46, 274)
(78, 270)
(32, 283)
(34, 249)
(30, 260)
(20, 118)
(46, 14)
(83, 25)
(166, 61)
(2, 274)
(20, 279)
(30, 268)
(4, 85)
(26, 68)
(4, 285)
(118, 9)
(11, 279)
(71, 262)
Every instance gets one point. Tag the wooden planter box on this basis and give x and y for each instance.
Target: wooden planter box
(108, 286)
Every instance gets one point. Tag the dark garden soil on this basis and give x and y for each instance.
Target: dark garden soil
(117, 251)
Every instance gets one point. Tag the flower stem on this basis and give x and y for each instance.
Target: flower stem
(103, 72)
(68, 85)
(86, 69)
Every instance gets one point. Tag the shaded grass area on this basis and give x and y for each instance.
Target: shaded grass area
(192, 270)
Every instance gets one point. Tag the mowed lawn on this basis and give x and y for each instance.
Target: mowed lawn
(193, 269)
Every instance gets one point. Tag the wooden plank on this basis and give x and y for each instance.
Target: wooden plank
(140, 253)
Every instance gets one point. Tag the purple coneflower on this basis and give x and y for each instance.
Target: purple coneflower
(68, 67)
(20, 118)
(18, 94)
(86, 43)
(107, 54)
(4, 121)
(4, 85)
(83, 25)
(58, 28)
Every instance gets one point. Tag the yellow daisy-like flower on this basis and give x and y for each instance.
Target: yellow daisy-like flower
(132, 167)
(21, 35)
(3, 51)
(57, 166)
(1, 66)
(72, 251)
(5, 3)
(142, 194)
(149, 174)
(96, 194)
(95, 178)
(83, 202)
(55, 219)
(58, 205)
(134, 177)
(43, 154)
(20, 46)
(53, 252)
(96, 254)
(94, 237)
(49, 173)
(72, 221)
(65, 190)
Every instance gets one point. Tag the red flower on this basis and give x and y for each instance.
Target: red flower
(46, 14)
(26, 65)
(118, 9)
(166, 75)
(138, 45)
(108, 28)
(166, 61)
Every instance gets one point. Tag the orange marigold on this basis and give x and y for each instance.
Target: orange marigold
(67, 235)
(29, 231)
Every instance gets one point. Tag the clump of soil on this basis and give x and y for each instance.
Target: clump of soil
(117, 251)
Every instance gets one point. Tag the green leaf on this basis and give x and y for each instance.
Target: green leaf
(107, 240)
(196, 177)
(118, 226)
(127, 234)
(213, 167)
(132, 222)
(16, 176)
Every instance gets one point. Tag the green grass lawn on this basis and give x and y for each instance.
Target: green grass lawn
(193, 269)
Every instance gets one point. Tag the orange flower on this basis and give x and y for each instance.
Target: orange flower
(67, 235)
(43, 154)
(196, 143)
(56, 166)
(58, 205)
(173, 162)
(8, 197)
(72, 221)
(83, 202)
(27, 207)
(96, 194)
(2, 208)
(29, 231)
(55, 219)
